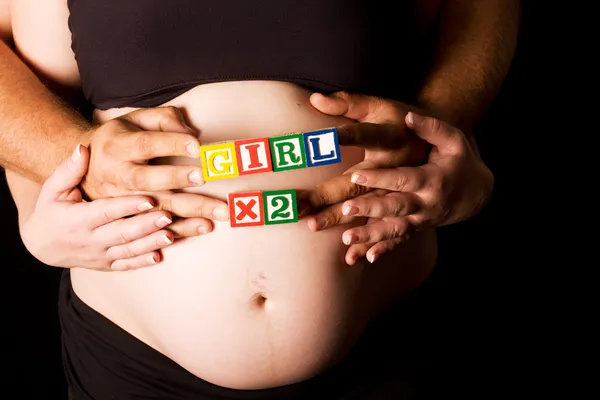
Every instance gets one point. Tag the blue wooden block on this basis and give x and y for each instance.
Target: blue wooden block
(322, 147)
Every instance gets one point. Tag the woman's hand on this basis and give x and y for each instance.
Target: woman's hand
(64, 231)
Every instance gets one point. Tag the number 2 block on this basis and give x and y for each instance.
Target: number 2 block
(280, 207)
(246, 209)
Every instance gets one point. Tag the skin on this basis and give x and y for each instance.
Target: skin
(186, 283)
(477, 41)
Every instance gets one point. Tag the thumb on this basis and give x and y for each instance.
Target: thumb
(359, 107)
(67, 176)
(436, 132)
(164, 119)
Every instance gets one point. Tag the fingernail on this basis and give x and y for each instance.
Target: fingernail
(359, 179)
(167, 239)
(219, 213)
(202, 229)
(153, 259)
(77, 153)
(348, 238)
(194, 177)
(372, 258)
(145, 206)
(350, 210)
(193, 150)
(410, 117)
(163, 221)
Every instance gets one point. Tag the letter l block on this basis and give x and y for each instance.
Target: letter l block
(322, 147)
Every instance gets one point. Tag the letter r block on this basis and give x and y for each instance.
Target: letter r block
(287, 152)
(253, 156)
(218, 161)
(322, 147)
(246, 209)
(280, 207)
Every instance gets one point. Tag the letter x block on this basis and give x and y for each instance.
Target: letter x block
(246, 209)
(253, 156)
(219, 161)
(322, 147)
(287, 152)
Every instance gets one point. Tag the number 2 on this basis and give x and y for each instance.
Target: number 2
(281, 203)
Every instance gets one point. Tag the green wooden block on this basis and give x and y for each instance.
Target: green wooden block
(280, 207)
(287, 152)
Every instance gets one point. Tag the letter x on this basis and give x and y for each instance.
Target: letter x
(246, 209)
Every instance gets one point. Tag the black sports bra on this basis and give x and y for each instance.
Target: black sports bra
(142, 53)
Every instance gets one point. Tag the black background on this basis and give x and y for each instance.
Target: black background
(470, 300)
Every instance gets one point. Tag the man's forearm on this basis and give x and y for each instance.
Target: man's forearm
(476, 45)
(37, 130)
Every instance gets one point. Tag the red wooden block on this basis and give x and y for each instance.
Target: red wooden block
(253, 156)
(246, 209)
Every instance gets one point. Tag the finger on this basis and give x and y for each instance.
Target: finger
(142, 261)
(103, 211)
(153, 178)
(378, 249)
(332, 216)
(371, 136)
(146, 145)
(190, 205)
(147, 244)
(187, 227)
(386, 229)
(67, 175)
(436, 132)
(352, 105)
(388, 206)
(127, 230)
(335, 190)
(401, 179)
(355, 252)
(165, 119)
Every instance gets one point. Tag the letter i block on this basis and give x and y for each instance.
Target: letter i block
(218, 161)
(246, 209)
(253, 156)
(322, 147)
(280, 207)
(287, 152)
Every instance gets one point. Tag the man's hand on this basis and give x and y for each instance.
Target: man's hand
(120, 151)
(453, 186)
(381, 131)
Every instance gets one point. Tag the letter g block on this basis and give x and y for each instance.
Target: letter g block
(218, 161)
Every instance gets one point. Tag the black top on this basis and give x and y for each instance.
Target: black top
(142, 53)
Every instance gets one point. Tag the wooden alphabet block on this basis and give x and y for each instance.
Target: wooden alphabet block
(280, 207)
(253, 156)
(287, 152)
(219, 161)
(246, 209)
(322, 147)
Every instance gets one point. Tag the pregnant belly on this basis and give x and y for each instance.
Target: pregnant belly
(250, 307)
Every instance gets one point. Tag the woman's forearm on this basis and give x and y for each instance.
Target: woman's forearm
(474, 51)
(24, 192)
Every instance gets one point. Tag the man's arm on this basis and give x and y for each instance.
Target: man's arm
(474, 50)
(33, 145)
(37, 130)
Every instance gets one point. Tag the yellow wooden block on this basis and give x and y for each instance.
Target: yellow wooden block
(219, 161)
